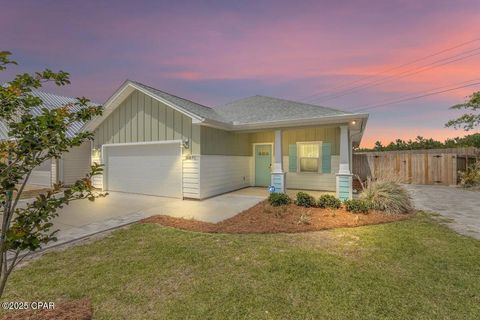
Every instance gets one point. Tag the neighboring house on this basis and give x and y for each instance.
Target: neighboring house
(74, 164)
(152, 142)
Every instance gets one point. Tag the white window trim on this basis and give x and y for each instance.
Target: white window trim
(320, 146)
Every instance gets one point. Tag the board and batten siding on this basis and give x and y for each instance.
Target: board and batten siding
(227, 143)
(220, 142)
(140, 118)
(294, 135)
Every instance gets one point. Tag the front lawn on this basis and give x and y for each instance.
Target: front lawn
(413, 269)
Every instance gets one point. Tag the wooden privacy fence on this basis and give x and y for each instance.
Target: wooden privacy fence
(435, 166)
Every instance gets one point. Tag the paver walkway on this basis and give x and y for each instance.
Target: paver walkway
(460, 205)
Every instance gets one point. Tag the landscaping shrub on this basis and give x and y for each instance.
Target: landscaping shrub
(357, 206)
(279, 199)
(471, 177)
(387, 196)
(305, 200)
(329, 201)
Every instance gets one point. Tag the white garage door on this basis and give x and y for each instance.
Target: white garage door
(153, 169)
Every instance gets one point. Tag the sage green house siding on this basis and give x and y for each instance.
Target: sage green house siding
(139, 118)
(221, 142)
(226, 143)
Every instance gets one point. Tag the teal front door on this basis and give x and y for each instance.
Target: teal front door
(263, 162)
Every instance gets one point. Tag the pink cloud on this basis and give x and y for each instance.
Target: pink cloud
(291, 49)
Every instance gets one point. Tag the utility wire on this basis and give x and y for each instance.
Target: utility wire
(415, 97)
(420, 92)
(309, 97)
(404, 74)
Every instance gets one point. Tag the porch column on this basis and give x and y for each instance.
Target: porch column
(278, 176)
(344, 175)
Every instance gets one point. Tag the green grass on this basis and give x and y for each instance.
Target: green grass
(416, 269)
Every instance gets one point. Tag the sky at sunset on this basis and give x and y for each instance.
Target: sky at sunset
(214, 52)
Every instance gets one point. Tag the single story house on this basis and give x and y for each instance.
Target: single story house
(152, 142)
(74, 164)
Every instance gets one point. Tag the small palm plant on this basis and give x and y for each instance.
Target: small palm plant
(387, 196)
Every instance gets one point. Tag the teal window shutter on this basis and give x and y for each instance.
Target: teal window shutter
(292, 158)
(326, 157)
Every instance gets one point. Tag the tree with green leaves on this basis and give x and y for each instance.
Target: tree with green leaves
(32, 140)
(421, 143)
(470, 120)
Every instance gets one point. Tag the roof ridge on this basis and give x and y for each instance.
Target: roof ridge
(236, 100)
(282, 99)
(305, 103)
(173, 95)
(60, 96)
(53, 94)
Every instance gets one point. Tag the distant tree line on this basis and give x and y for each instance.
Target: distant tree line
(468, 121)
(471, 140)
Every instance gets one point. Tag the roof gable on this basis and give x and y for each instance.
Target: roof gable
(247, 113)
(198, 113)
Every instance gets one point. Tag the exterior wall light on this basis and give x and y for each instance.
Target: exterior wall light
(96, 152)
(186, 143)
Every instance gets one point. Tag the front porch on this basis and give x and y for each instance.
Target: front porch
(293, 159)
(263, 192)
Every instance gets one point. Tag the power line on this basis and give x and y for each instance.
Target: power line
(421, 92)
(415, 97)
(403, 74)
(394, 68)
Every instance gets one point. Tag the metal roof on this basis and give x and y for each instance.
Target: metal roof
(50, 101)
(3, 131)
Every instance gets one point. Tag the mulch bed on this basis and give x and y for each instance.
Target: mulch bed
(68, 310)
(263, 218)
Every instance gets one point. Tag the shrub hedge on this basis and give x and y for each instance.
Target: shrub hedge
(329, 201)
(305, 200)
(279, 199)
(357, 206)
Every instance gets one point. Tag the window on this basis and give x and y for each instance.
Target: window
(309, 156)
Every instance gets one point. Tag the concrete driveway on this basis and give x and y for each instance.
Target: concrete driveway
(460, 206)
(83, 218)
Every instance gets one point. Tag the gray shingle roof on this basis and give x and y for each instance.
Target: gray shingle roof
(50, 101)
(253, 110)
(258, 109)
(188, 105)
